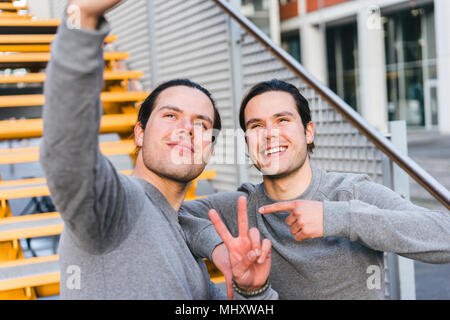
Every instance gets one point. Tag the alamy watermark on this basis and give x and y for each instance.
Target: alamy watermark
(73, 281)
(374, 280)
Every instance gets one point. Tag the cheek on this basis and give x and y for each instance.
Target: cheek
(254, 141)
(293, 134)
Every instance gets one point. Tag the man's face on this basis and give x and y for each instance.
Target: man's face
(276, 137)
(177, 141)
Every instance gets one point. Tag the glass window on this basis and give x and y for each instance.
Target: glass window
(411, 65)
(342, 57)
(290, 42)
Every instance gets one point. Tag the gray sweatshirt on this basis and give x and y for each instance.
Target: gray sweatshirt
(362, 219)
(121, 238)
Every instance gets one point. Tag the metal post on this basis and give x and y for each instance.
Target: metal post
(400, 184)
(237, 86)
(152, 40)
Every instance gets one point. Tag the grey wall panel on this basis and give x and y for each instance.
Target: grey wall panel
(130, 23)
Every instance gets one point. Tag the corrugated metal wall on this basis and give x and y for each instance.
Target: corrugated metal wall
(130, 23)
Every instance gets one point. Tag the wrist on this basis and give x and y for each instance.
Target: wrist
(251, 292)
(80, 18)
(88, 21)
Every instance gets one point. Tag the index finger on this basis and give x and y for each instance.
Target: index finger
(242, 217)
(279, 206)
(220, 227)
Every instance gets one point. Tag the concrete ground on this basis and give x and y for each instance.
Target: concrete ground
(432, 152)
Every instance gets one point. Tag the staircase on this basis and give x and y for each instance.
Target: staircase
(24, 53)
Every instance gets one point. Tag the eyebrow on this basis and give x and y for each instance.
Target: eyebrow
(176, 109)
(276, 115)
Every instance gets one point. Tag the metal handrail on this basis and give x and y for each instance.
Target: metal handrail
(422, 177)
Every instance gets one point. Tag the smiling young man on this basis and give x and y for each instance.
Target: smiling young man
(328, 230)
(123, 233)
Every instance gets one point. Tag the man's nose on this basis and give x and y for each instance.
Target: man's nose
(270, 132)
(186, 127)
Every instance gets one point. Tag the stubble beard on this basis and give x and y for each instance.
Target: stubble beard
(182, 173)
(289, 171)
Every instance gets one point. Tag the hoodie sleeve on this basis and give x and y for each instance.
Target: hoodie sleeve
(382, 220)
(84, 185)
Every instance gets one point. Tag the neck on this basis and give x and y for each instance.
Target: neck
(173, 191)
(291, 186)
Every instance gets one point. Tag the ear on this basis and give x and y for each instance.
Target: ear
(138, 135)
(310, 132)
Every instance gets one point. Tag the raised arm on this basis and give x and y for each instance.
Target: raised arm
(84, 185)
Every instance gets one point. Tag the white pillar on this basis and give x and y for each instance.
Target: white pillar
(40, 8)
(372, 66)
(313, 48)
(442, 14)
(274, 19)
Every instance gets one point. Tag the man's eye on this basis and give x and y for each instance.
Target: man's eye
(200, 124)
(284, 120)
(170, 116)
(255, 126)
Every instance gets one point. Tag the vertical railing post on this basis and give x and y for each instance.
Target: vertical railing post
(237, 85)
(400, 184)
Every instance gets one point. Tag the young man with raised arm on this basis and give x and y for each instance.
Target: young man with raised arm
(328, 230)
(122, 234)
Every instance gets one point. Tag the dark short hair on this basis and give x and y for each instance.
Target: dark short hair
(148, 105)
(278, 85)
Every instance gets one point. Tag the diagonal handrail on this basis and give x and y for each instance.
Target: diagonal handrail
(422, 177)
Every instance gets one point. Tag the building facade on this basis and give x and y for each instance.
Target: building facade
(388, 59)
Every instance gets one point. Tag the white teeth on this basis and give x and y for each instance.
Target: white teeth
(275, 150)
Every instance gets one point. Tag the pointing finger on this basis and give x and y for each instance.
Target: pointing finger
(279, 206)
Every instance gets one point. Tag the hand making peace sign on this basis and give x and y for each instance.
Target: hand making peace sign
(249, 257)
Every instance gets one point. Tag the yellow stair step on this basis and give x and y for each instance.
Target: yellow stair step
(45, 57)
(29, 272)
(37, 38)
(30, 226)
(31, 43)
(11, 6)
(24, 48)
(40, 77)
(29, 23)
(27, 100)
(24, 155)
(32, 128)
(14, 16)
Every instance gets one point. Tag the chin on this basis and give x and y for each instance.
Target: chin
(278, 172)
(181, 173)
